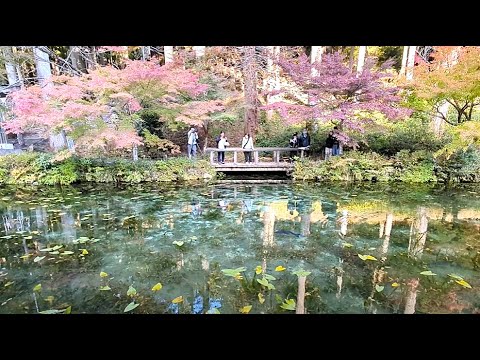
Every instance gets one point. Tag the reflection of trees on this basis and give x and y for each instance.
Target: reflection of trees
(411, 296)
(385, 231)
(418, 233)
(343, 220)
(268, 232)
(300, 308)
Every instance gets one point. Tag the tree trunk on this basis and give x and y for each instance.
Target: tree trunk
(75, 57)
(19, 71)
(42, 64)
(10, 66)
(146, 52)
(199, 51)
(438, 122)
(316, 57)
(404, 60)
(168, 53)
(361, 58)
(273, 78)
(352, 53)
(135, 152)
(410, 61)
(92, 58)
(251, 96)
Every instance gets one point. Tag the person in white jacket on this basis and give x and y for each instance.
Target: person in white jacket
(192, 142)
(222, 144)
(247, 144)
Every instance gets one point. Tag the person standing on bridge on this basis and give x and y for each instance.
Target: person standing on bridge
(247, 144)
(192, 142)
(304, 141)
(222, 144)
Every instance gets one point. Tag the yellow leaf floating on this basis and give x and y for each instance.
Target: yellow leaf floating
(37, 287)
(157, 287)
(246, 309)
(177, 300)
(103, 274)
(261, 298)
(464, 284)
(258, 270)
(395, 284)
(84, 252)
(280, 268)
(367, 257)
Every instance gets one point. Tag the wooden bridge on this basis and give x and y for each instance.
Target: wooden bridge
(264, 159)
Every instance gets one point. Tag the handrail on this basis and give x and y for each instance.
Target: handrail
(276, 152)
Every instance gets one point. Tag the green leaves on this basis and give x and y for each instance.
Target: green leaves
(301, 272)
(38, 258)
(258, 270)
(130, 307)
(379, 288)
(68, 252)
(288, 304)
(178, 243)
(103, 274)
(460, 281)
(234, 272)
(427, 273)
(131, 291)
(105, 288)
(37, 287)
(268, 277)
(263, 281)
(213, 311)
(261, 298)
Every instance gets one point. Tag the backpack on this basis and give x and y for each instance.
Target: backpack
(217, 139)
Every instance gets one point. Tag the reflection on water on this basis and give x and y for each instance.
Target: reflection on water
(283, 248)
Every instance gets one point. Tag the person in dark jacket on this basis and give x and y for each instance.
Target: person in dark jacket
(304, 139)
(331, 144)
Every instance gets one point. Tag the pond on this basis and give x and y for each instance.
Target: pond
(324, 248)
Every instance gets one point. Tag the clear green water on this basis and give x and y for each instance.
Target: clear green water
(129, 234)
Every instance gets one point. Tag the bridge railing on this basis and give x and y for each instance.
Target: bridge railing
(276, 152)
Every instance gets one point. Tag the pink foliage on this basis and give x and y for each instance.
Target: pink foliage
(86, 99)
(337, 94)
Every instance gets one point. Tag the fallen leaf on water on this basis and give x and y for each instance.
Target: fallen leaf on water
(213, 311)
(56, 247)
(177, 300)
(347, 245)
(37, 287)
(131, 291)
(157, 287)
(379, 288)
(103, 274)
(456, 277)
(84, 252)
(68, 252)
(9, 283)
(258, 270)
(427, 273)
(367, 257)
(464, 283)
(246, 309)
(288, 304)
(38, 258)
(178, 243)
(25, 256)
(105, 288)
(54, 253)
(47, 249)
(395, 284)
(130, 307)
(280, 268)
(261, 298)
(50, 312)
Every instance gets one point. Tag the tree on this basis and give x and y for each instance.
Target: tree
(250, 69)
(100, 110)
(452, 78)
(337, 94)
